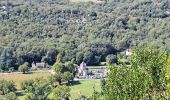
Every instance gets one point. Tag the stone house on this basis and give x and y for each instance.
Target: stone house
(38, 65)
(82, 69)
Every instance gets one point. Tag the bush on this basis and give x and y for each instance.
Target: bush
(12, 96)
(61, 93)
(111, 59)
(38, 89)
(26, 83)
(6, 87)
(23, 68)
(67, 76)
(30, 96)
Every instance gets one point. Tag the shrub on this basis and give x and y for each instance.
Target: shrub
(111, 59)
(23, 68)
(61, 93)
(6, 87)
(11, 96)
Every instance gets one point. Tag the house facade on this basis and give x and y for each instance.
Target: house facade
(82, 69)
(38, 65)
(128, 52)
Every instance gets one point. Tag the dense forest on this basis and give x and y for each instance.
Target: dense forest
(39, 30)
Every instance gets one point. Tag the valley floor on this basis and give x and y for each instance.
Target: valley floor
(78, 87)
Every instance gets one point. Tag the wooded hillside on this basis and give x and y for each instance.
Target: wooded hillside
(36, 30)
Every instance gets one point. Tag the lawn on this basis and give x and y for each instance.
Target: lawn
(84, 87)
(19, 78)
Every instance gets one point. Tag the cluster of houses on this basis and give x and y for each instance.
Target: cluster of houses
(82, 70)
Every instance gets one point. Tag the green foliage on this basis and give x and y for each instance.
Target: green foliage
(79, 57)
(63, 72)
(11, 96)
(61, 93)
(144, 79)
(111, 59)
(25, 84)
(57, 77)
(6, 60)
(82, 31)
(67, 76)
(6, 87)
(86, 31)
(37, 90)
(59, 68)
(30, 96)
(23, 68)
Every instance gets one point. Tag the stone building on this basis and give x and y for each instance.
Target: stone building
(82, 69)
(38, 65)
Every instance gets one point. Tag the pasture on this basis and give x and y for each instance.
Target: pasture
(81, 87)
(84, 87)
(19, 78)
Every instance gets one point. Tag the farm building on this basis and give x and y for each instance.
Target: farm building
(38, 65)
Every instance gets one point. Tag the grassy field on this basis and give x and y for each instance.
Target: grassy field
(84, 87)
(18, 78)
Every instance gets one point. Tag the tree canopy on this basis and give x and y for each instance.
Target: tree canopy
(36, 29)
(144, 79)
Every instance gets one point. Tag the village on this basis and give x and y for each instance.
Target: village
(86, 72)
(83, 71)
(84, 49)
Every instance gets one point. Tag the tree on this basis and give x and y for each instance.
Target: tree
(70, 67)
(11, 96)
(2, 67)
(6, 60)
(7, 87)
(57, 77)
(145, 79)
(91, 31)
(79, 57)
(59, 68)
(50, 57)
(61, 93)
(25, 84)
(64, 72)
(67, 76)
(59, 59)
(111, 59)
(30, 96)
(23, 68)
(39, 89)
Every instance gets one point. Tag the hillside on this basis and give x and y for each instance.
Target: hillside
(35, 30)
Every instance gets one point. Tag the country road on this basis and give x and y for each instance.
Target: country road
(46, 71)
